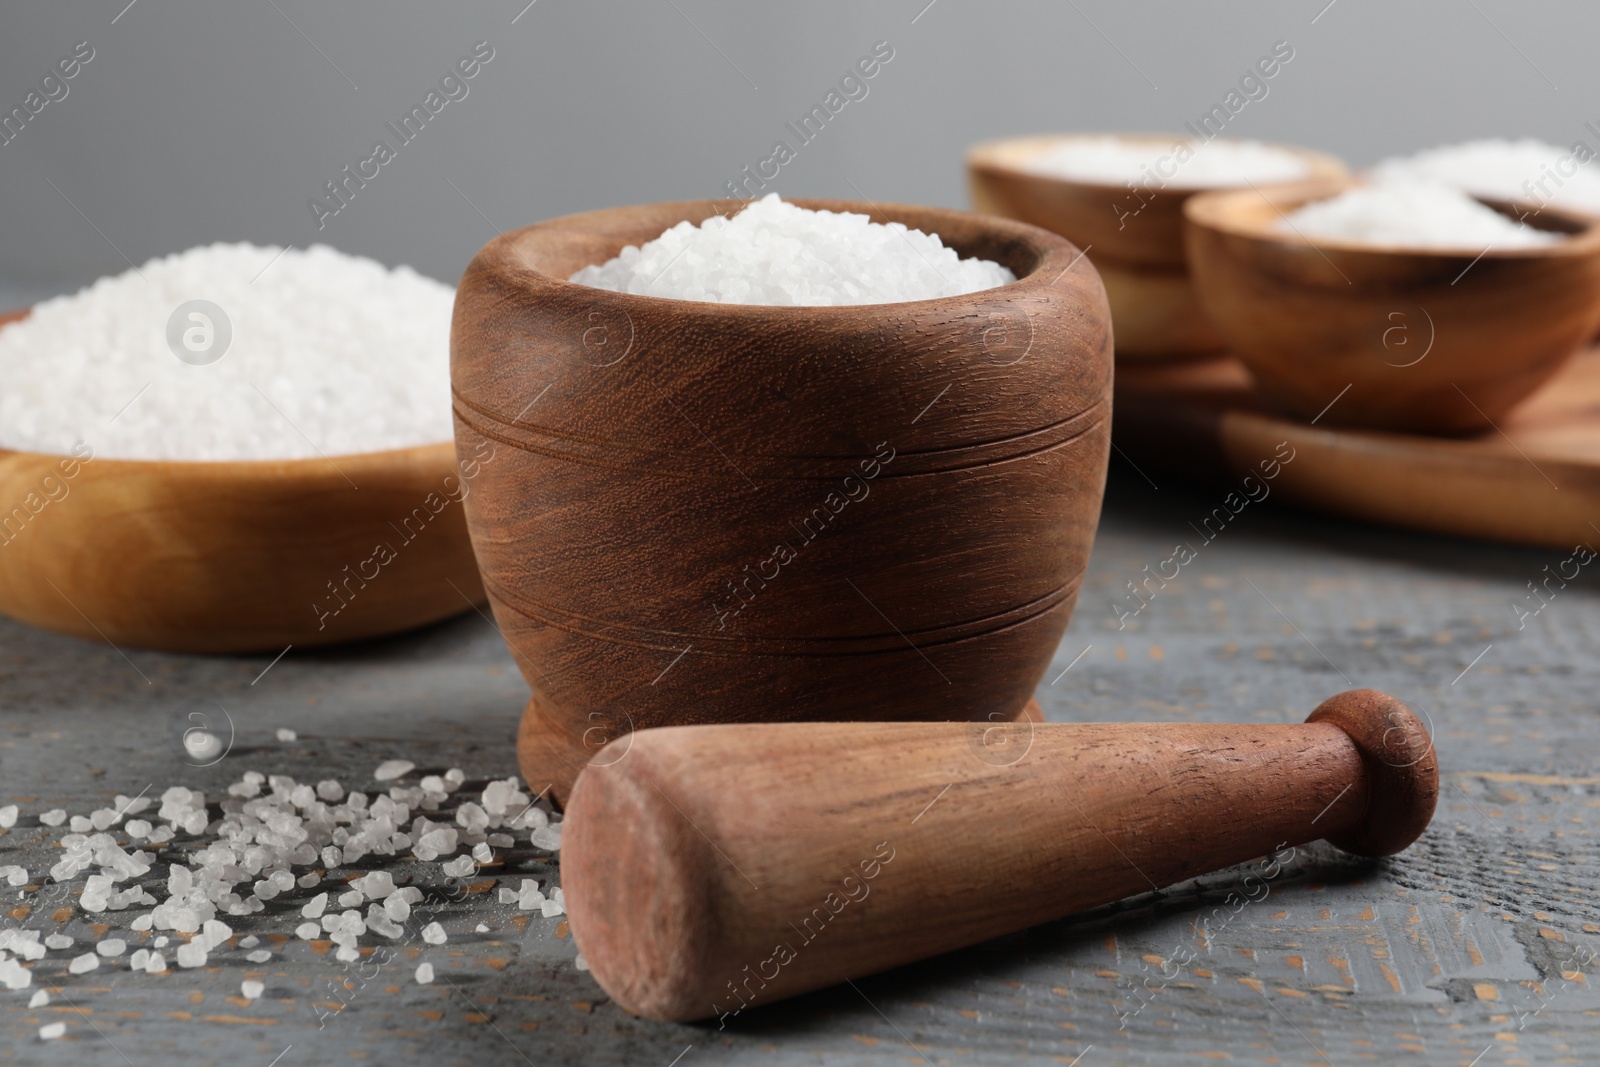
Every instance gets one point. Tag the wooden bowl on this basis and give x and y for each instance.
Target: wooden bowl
(730, 513)
(1138, 250)
(1426, 341)
(234, 556)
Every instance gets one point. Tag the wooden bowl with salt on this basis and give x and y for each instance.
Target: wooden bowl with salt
(244, 556)
(1427, 340)
(713, 512)
(1134, 237)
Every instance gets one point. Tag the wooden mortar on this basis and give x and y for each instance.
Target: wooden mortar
(707, 513)
(709, 869)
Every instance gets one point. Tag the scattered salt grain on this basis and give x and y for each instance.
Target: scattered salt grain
(1412, 215)
(14, 875)
(8, 816)
(140, 957)
(287, 735)
(308, 931)
(394, 768)
(482, 928)
(111, 946)
(424, 973)
(51, 1031)
(53, 817)
(1182, 163)
(329, 354)
(57, 941)
(83, 964)
(313, 908)
(1528, 170)
(155, 964)
(581, 963)
(39, 999)
(774, 252)
(260, 955)
(251, 989)
(192, 954)
(434, 934)
(14, 975)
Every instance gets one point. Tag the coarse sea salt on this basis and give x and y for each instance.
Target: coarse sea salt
(773, 252)
(328, 354)
(217, 855)
(1412, 214)
(1526, 169)
(1182, 163)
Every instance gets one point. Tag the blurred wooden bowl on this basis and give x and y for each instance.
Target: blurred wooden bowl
(1428, 341)
(1138, 250)
(749, 513)
(245, 556)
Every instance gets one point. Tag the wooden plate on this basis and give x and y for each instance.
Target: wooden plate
(1535, 480)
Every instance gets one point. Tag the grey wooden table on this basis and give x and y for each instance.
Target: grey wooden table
(1452, 953)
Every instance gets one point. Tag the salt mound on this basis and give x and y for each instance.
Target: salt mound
(1413, 214)
(1183, 164)
(773, 252)
(329, 353)
(1500, 169)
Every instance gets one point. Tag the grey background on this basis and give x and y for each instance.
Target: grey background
(200, 121)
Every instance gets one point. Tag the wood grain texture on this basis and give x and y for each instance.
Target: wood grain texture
(713, 513)
(1444, 342)
(709, 869)
(1136, 241)
(1535, 481)
(233, 556)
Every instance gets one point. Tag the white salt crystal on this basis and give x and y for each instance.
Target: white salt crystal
(39, 999)
(434, 934)
(347, 954)
(57, 941)
(1532, 171)
(376, 885)
(51, 1031)
(192, 954)
(249, 941)
(14, 975)
(1182, 163)
(482, 928)
(313, 908)
(14, 875)
(330, 790)
(111, 946)
(1412, 214)
(251, 989)
(8, 816)
(424, 973)
(349, 354)
(397, 908)
(287, 735)
(394, 768)
(460, 867)
(260, 955)
(53, 817)
(581, 963)
(140, 957)
(155, 964)
(308, 931)
(84, 963)
(773, 252)
(351, 899)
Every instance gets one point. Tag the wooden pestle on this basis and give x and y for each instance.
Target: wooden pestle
(710, 868)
